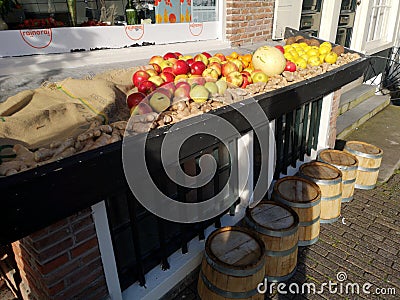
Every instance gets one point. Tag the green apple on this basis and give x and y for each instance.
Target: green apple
(212, 87)
(259, 76)
(159, 102)
(199, 94)
(222, 86)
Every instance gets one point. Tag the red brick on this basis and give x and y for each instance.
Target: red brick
(84, 247)
(55, 289)
(77, 275)
(51, 239)
(60, 273)
(85, 234)
(54, 251)
(53, 264)
(90, 256)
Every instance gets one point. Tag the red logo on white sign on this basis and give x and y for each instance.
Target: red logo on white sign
(37, 38)
(196, 28)
(134, 32)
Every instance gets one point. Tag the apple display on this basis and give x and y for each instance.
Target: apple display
(181, 67)
(259, 76)
(156, 59)
(235, 78)
(140, 76)
(222, 86)
(229, 67)
(159, 101)
(147, 87)
(134, 99)
(212, 87)
(210, 74)
(167, 76)
(157, 80)
(169, 55)
(199, 94)
(141, 109)
(201, 57)
(197, 68)
(217, 67)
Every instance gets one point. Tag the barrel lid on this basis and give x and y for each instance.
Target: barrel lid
(363, 147)
(320, 171)
(235, 247)
(274, 216)
(297, 189)
(337, 157)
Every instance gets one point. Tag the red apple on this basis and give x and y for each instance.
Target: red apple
(229, 67)
(173, 60)
(290, 66)
(208, 55)
(157, 80)
(246, 80)
(169, 55)
(210, 74)
(190, 61)
(134, 99)
(151, 72)
(238, 63)
(280, 48)
(220, 56)
(156, 67)
(182, 90)
(178, 54)
(181, 67)
(141, 109)
(197, 68)
(147, 87)
(201, 57)
(140, 76)
(217, 67)
(156, 59)
(168, 69)
(235, 78)
(167, 76)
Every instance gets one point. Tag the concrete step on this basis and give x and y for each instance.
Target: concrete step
(352, 85)
(355, 96)
(358, 115)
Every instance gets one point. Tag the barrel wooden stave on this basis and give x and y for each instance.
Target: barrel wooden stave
(304, 197)
(223, 256)
(329, 180)
(281, 245)
(369, 161)
(347, 163)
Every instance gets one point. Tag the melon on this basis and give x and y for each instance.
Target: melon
(269, 60)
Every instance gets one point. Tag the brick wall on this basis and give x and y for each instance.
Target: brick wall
(333, 118)
(62, 261)
(249, 22)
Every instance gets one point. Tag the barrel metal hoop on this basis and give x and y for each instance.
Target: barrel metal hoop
(232, 272)
(323, 181)
(348, 199)
(331, 198)
(349, 181)
(281, 253)
(265, 231)
(368, 169)
(227, 294)
(281, 278)
(364, 187)
(309, 223)
(328, 221)
(296, 204)
(308, 242)
(366, 155)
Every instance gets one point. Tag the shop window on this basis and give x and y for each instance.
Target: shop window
(379, 17)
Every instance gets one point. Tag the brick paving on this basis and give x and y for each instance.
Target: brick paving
(364, 247)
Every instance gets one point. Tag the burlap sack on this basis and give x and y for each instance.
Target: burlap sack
(56, 111)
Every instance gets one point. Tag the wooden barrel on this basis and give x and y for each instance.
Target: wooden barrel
(329, 180)
(345, 162)
(233, 265)
(277, 225)
(304, 197)
(369, 160)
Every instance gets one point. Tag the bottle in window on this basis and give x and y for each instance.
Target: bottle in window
(131, 13)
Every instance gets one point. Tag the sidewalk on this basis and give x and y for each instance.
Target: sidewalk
(366, 248)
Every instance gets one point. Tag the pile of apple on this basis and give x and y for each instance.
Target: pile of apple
(176, 77)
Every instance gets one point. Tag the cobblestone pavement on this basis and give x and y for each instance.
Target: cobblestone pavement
(364, 248)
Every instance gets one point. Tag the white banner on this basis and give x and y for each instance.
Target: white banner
(66, 39)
